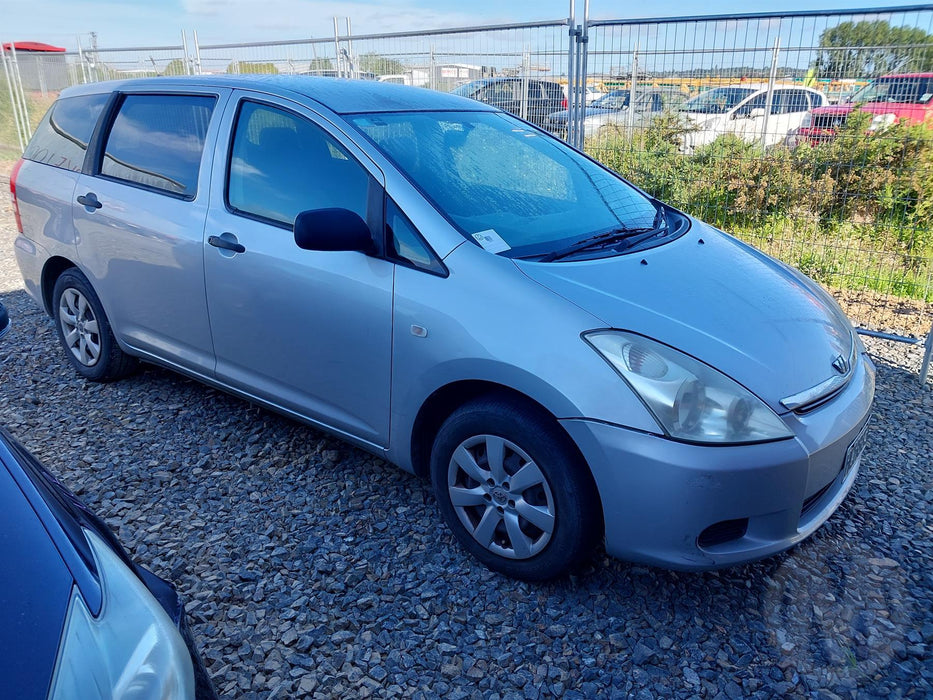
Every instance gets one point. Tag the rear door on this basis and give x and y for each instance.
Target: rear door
(788, 108)
(139, 237)
(308, 331)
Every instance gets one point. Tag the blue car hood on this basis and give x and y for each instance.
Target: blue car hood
(707, 294)
(35, 587)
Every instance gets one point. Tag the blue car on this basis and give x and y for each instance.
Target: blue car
(78, 618)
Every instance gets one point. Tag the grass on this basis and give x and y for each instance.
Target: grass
(36, 106)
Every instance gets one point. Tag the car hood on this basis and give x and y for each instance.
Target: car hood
(588, 112)
(35, 588)
(707, 294)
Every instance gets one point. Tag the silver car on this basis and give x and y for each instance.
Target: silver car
(458, 292)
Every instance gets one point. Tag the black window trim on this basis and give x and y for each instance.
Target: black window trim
(94, 159)
(375, 209)
(443, 272)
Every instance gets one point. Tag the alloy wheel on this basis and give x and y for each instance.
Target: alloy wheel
(80, 328)
(501, 496)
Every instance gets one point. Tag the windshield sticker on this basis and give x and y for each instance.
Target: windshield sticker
(491, 241)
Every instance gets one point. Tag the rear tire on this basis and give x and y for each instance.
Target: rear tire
(84, 331)
(514, 490)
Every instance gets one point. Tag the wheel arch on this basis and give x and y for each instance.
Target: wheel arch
(51, 271)
(448, 398)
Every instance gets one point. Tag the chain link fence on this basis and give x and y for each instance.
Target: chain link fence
(807, 134)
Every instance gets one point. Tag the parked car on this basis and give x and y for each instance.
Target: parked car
(459, 293)
(891, 99)
(613, 110)
(740, 110)
(79, 618)
(591, 93)
(543, 98)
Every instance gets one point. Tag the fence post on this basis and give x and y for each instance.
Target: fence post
(571, 72)
(352, 64)
(184, 49)
(20, 95)
(927, 355)
(197, 53)
(337, 62)
(13, 102)
(526, 69)
(584, 40)
(631, 94)
(772, 76)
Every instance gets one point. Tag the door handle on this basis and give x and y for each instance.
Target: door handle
(226, 244)
(90, 200)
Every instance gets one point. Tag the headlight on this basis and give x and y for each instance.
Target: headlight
(882, 121)
(131, 650)
(690, 400)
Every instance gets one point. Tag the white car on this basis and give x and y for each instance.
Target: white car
(591, 94)
(740, 110)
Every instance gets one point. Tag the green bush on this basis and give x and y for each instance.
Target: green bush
(854, 209)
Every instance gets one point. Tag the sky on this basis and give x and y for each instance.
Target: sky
(120, 23)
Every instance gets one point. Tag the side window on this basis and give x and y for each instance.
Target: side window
(281, 164)
(790, 102)
(157, 140)
(757, 102)
(535, 90)
(405, 244)
(62, 136)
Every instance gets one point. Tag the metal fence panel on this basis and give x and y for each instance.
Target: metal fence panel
(302, 57)
(843, 195)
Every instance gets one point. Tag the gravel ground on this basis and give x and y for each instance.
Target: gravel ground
(311, 569)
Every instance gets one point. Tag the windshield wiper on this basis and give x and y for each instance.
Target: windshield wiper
(606, 238)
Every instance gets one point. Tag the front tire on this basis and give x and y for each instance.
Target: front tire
(513, 489)
(84, 331)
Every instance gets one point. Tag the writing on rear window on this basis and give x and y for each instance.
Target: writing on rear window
(62, 136)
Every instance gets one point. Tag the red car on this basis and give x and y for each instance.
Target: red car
(892, 98)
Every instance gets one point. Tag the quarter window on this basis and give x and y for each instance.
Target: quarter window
(62, 136)
(282, 164)
(157, 140)
(406, 245)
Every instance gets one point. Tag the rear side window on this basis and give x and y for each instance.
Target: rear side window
(156, 141)
(62, 136)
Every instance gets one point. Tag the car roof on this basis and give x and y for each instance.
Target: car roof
(764, 86)
(340, 95)
(907, 75)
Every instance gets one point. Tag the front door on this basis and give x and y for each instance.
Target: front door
(308, 331)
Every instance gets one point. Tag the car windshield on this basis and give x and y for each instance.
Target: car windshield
(617, 99)
(467, 89)
(495, 177)
(717, 100)
(906, 90)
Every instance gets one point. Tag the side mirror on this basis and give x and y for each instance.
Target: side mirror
(756, 113)
(332, 230)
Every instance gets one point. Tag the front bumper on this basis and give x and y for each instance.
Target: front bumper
(660, 496)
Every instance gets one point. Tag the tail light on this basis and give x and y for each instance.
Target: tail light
(19, 221)
(563, 103)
